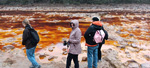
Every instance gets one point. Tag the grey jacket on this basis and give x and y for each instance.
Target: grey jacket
(75, 38)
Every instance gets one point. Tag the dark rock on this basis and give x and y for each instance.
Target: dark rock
(51, 58)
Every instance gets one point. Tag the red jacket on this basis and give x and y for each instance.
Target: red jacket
(97, 23)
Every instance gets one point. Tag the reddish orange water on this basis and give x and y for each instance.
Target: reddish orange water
(50, 32)
(52, 28)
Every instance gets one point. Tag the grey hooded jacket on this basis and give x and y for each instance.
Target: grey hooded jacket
(75, 38)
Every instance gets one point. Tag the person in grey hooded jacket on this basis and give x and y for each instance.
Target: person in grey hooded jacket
(75, 45)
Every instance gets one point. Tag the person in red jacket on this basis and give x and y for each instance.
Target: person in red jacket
(92, 45)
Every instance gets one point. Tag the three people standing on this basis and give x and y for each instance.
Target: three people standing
(93, 50)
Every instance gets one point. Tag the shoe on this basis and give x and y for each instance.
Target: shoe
(31, 66)
(39, 66)
(98, 60)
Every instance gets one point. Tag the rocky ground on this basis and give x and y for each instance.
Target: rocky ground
(128, 45)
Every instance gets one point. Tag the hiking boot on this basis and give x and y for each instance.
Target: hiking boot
(31, 66)
(39, 66)
(93, 67)
(98, 61)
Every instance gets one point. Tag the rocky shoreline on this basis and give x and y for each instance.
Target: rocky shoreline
(128, 45)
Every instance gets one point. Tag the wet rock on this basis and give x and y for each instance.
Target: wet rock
(134, 45)
(137, 26)
(9, 40)
(64, 49)
(112, 58)
(42, 55)
(131, 35)
(50, 49)
(23, 48)
(118, 31)
(8, 47)
(65, 53)
(51, 58)
(84, 58)
(145, 65)
(45, 32)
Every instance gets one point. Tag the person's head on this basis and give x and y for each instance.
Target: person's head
(71, 24)
(25, 22)
(95, 19)
(74, 24)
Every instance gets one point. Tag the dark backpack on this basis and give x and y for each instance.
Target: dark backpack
(35, 37)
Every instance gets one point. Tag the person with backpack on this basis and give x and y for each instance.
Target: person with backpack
(92, 46)
(74, 43)
(30, 39)
(100, 44)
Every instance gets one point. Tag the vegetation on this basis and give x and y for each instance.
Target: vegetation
(22, 2)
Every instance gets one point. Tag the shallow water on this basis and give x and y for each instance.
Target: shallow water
(54, 27)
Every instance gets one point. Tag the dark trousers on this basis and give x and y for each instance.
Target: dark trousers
(75, 59)
(99, 52)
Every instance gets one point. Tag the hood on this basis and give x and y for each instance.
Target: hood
(98, 23)
(76, 23)
(28, 27)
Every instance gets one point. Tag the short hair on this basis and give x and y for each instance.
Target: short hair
(95, 19)
(26, 21)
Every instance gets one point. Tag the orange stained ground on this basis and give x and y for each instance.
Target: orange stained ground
(52, 28)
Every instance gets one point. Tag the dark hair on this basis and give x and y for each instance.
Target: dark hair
(95, 19)
(72, 23)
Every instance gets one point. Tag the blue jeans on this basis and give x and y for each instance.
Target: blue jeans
(31, 56)
(92, 56)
